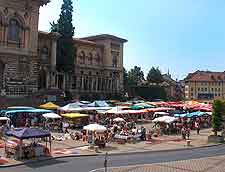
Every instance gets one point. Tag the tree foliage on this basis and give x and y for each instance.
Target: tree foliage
(65, 46)
(135, 76)
(154, 76)
(217, 115)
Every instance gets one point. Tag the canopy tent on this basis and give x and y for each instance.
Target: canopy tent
(118, 119)
(51, 116)
(28, 133)
(145, 105)
(136, 107)
(161, 113)
(159, 109)
(205, 109)
(74, 115)
(50, 106)
(113, 110)
(166, 119)
(78, 103)
(98, 104)
(85, 102)
(158, 104)
(180, 115)
(4, 119)
(71, 107)
(13, 112)
(191, 115)
(95, 127)
(19, 108)
(95, 108)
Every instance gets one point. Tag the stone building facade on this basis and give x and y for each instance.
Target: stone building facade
(28, 56)
(205, 85)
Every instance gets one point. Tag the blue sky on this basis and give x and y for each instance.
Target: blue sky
(179, 35)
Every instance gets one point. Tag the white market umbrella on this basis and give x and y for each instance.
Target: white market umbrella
(71, 107)
(95, 127)
(166, 119)
(118, 119)
(51, 116)
(4, 119)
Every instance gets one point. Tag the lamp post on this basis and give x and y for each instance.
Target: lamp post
(106, 160)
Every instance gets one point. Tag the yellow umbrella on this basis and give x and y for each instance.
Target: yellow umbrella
(49, 105)
(74, 115)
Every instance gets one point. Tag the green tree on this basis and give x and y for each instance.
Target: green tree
(125, 78)
(135, 76)
(154, 76)
(65, 45)
(217, 115)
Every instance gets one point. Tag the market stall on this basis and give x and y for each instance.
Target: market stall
(4, 125)
(96, 135)
(52, 122)
(20, 118)
(165, 125)
(32, 147)
(49, 106)
(76, 119)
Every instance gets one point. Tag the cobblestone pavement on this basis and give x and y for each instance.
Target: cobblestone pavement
(210, 164)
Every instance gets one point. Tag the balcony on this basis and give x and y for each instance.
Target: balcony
(11, 47)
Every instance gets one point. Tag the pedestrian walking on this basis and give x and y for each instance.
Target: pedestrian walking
(197, 126)
(188, 131)
(183, 133)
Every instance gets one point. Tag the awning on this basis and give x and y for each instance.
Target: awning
(74, 115)
(49, 105)
(12, 112)
(27, 133)
(51, 116)
(95, 127)
(166, 119)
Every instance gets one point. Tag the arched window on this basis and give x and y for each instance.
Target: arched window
(98, 59)
(44, 54)
(82, 57)
(14, 30)
(90, 58)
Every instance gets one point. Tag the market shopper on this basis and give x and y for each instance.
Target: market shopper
(188, 131)
(197, 126)
(183, 133)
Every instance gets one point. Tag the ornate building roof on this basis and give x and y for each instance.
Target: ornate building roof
(206, 76)
(43, 2)
(104, 36)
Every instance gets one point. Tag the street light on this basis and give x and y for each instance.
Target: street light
(106, 160)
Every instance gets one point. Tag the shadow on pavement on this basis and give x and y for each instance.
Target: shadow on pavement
(45, 163)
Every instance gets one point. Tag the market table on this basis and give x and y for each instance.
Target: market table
(126, 138)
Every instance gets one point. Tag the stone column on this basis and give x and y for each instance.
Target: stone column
(82, 83)
(53, 54)
(92, 84)
(54, 37)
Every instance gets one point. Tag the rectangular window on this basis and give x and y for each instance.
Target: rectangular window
(198, 89)
(192, 89)
(212, 89)
(215, 89)
(201, 89)
(205, 89)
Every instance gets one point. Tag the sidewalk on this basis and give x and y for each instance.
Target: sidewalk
(209, 164)
(79, 148)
